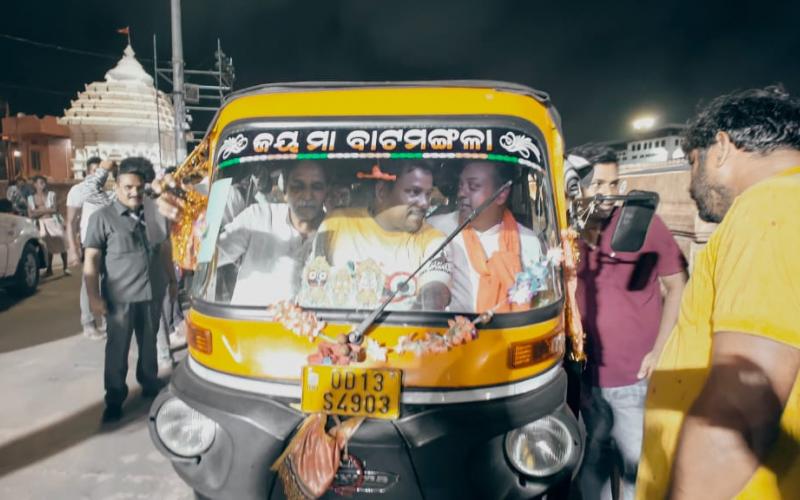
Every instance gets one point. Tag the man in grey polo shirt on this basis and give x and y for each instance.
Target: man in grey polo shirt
(132, 254)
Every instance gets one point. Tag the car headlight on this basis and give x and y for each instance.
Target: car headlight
(184, 430)
(540, 448)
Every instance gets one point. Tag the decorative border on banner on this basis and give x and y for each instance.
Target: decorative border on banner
(386, 156)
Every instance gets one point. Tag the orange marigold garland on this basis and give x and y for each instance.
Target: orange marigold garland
(298, 321)
(339, 352)
(461, 331)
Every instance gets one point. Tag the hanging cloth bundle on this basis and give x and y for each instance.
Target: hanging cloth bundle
(309, 463)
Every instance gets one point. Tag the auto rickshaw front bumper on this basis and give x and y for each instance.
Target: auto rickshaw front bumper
(433, 451)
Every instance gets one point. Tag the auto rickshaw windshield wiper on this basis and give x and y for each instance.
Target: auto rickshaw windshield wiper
(357, 335)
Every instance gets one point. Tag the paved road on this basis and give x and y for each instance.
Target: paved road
(51, 442)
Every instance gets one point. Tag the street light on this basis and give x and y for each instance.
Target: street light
(17, 153)
(645, 122)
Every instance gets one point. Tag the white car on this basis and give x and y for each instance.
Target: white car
(22, 254)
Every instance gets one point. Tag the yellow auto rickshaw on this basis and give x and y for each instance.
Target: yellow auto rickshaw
(332, 353)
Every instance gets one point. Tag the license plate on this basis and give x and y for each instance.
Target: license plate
(343, 390)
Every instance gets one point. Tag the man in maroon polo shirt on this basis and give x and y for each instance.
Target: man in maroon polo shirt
(627, 322)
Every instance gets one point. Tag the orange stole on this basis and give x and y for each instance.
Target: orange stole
(498, 272)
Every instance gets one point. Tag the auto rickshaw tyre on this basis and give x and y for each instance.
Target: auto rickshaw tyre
(26, 279)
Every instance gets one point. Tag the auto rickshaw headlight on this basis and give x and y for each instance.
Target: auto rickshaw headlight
(541, 448)
(183, 430)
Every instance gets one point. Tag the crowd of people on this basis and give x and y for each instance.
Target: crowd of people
(693, 393)
(690, 389)
(129, 283)
(690, 386)
(36, 201)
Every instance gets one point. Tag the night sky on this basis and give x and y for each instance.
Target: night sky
(602, 62)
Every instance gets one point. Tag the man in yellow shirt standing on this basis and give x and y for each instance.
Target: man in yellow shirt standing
(722, 416)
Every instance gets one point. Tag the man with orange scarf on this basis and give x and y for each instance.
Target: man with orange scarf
(492, 249)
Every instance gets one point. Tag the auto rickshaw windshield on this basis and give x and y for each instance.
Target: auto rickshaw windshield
(344, 233)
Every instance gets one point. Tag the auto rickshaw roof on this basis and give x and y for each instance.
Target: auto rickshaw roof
(270, 88)
(539, 96)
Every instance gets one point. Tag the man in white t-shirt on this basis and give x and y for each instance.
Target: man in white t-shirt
(489, 252)
(83, 199)
(273, 239)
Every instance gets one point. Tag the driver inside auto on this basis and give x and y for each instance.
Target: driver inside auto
(361, 255)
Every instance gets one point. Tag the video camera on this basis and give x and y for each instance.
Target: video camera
(638, 207)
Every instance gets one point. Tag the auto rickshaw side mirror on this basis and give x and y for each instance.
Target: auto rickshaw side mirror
(637, 212)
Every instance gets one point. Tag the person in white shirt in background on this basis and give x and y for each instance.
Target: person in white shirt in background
(481, 273)
(83, 199)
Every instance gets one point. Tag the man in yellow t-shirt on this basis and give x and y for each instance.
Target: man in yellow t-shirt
(371, 251)
(722, 417)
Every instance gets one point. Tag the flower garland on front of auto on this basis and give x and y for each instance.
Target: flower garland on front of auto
(330, 351)
(297, 320)
(338, 351)
(527, 283)
(461, 330)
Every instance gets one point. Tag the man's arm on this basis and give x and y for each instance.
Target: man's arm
(436, 278)
(734, 422)
(91, 274)
(33, 212)
(95, 182)
(673, 285)
(169, 270)
(73, 234)
(36, 213)
(90, 186)
(169, 205)
(234, 237)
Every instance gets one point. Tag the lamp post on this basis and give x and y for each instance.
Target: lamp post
(177, 81)
(644, 123)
